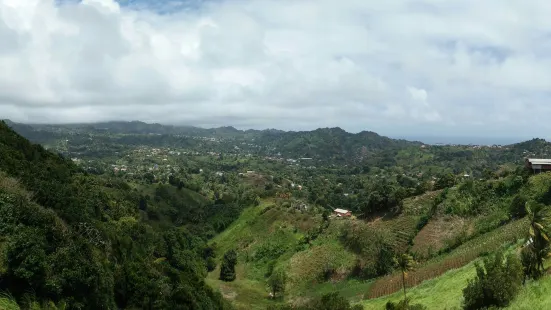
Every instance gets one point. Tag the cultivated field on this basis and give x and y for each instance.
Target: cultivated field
(459, 257)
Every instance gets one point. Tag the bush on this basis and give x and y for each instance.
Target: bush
(496, 283)
(423, 221)
(530, 263)
(276, 282)
(211, 264)
(227, 270)
(517, 207)
(445, 181)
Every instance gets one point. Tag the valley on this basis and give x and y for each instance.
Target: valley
(268, 198)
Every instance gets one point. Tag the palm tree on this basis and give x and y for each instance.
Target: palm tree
(538, 214)
(405, 263)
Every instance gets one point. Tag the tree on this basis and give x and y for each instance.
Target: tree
(529, 263)
(227, 270)
(405, 263)
(518, 207)
(447, 180)
(496, 283)
(276, 282)
(538, 240)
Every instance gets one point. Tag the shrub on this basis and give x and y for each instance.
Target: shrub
(227, 270)
(517, 207)
(211, 264)
(276, 282)
(529, 263)
(423, 221)
(496, 283)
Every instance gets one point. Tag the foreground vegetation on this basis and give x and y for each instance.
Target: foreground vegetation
(71, 240)
(133, 215)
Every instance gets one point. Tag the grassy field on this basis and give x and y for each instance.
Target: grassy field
(352, 289)
(535, 295)
(444, 292)
(240, 231)
(243, 293)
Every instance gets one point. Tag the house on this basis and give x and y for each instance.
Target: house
(538, 165)
(342, 212)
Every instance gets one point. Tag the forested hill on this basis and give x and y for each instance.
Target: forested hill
(328, 144)
(70, 240)
(325, 146)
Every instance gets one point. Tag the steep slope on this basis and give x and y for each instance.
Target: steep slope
(77, 240)
(446, 292)
(444, 230)
(312, 249)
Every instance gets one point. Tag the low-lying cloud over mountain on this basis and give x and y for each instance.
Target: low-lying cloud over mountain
(392, 66)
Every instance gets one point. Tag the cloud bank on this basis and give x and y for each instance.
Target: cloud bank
(399, 67)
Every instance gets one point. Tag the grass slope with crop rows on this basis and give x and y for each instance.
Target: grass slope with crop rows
(459, 257)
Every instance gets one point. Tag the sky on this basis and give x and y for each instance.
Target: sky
(465, 68)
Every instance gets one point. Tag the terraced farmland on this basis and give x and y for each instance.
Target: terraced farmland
(419, 205)
(403, 228)
(457, 258)
(437, 233)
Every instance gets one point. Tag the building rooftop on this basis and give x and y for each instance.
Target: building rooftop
(539, 161)
(341, 211)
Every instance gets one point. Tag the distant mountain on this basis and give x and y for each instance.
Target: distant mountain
(322, 143)
(331, 145)
(436, 140)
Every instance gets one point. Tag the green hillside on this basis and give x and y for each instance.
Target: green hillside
(445, 292)
(72, 240)
(446, 231)
(158, 219)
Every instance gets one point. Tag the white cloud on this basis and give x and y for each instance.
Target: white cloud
(283, 64)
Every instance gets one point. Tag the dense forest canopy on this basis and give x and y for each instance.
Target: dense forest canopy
(82, 241)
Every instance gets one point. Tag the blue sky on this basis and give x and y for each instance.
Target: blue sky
(160, 7)
(402, 68)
